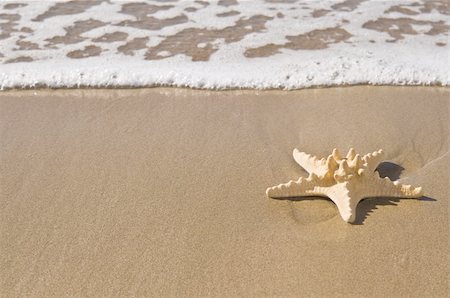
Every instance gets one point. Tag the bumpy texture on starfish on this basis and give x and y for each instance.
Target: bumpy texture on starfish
(346, 181)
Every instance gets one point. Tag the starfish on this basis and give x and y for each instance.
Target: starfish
(346, 181)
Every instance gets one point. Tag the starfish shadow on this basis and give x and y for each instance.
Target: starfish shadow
(390, 170)
(367, 206)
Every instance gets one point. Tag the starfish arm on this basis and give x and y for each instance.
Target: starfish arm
(383, 187)
(309, 162)
(300, 188)
(345, 201)
(372, 160)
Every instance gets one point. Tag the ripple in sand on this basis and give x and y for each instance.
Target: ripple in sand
(312, 210)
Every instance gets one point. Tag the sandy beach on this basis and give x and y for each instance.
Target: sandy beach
(161, 192)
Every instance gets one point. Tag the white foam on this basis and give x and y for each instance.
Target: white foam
(366, 58)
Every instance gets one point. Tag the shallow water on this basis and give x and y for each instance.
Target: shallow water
(223, 44)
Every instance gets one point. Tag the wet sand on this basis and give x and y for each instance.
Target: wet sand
(161, 192)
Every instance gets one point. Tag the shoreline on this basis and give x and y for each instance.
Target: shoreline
(163, 86)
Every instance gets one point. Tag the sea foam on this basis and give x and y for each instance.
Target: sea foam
(223, 44)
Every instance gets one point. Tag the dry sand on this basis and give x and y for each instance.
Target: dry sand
(162, 192)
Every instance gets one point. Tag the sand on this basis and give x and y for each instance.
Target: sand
(161, 192)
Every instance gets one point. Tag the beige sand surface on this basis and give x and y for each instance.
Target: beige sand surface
(162, 192)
